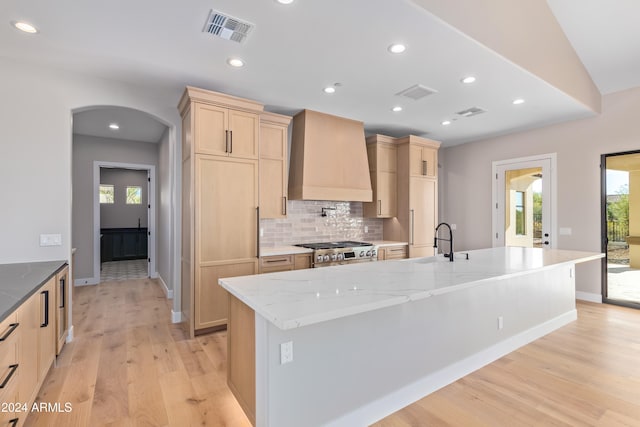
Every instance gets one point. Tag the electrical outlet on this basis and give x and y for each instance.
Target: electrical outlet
(500, 322)
(366, 228)
(50, 240)
(286, 352)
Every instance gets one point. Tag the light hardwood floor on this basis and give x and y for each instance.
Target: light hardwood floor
(129, 366)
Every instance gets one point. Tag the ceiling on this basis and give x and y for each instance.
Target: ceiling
(296, 50)
(133, 125)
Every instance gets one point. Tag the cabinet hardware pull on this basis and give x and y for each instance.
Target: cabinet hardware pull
(230, 141)
(258, 231)
(424, 167)
(396, 250)
(284, 205)
(14, 422)
(412, 226)
(277, 260)
(226, 141)
(46, 309)
(62, 290)
(379, 207)
(12, 327)
(8, 377)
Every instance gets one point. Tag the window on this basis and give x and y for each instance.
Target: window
(134, 195)
(107, 193)
(521, 228)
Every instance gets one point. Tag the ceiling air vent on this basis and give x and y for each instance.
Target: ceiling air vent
(416, 92)
(469, 112)
(227, 27)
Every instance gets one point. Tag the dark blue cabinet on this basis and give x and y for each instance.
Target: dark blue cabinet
(117, 244)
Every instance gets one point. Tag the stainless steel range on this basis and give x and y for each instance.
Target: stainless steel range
(339, 253)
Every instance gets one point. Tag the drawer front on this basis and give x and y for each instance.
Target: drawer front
(9, 401)
(396, 252)
(276, 261)
(9, 331)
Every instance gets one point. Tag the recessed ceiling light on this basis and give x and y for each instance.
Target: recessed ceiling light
(114, 126)
(446, 123)
(285, 1)
(468, 80)
(397, 48)
(396, 109)
(235, 62)
(329, 89)
(518, 101)
(25, 27)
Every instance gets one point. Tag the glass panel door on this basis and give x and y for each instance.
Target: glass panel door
(523, 211)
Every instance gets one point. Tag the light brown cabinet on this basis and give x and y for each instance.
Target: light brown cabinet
(220, 210)
(273, 165)
(226, 132)
(287, 262)
(382, 154)
(47, 329)
(302, 261)
(62, 304)
(392, 252)
(417, 195)
(9, 367)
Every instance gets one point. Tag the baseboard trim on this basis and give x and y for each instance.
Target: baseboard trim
(167, 292)
(176, 316)
(88, 281)
(588, 296)
(376, 410)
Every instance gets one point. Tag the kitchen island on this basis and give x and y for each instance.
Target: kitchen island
(369, 339)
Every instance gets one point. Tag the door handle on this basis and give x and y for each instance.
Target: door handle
(230, 141)
(379, 207)
(284, 205)
(62, 291)
(258, 232)
(46, 309)
(12, 327)
(424, 167)
(8, 377)
(226, 141)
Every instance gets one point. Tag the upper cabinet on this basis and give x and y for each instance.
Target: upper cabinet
(224, 125)
(424, 158)
(273, 165)
(382, 154)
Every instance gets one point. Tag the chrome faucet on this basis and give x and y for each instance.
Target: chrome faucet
(436, 238)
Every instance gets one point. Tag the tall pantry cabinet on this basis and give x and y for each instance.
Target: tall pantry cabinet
(417, 195)
(220, 213)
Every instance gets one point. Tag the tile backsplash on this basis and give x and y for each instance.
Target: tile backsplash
(305, 224)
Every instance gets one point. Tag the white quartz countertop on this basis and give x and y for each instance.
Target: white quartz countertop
(384, 243)
(283, 250)
(303, 297)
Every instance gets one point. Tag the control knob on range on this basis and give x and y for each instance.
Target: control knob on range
(340, 257)
(319, 258)
(361, 254)
(326, 258)
(368, 253)
(373, 253)
(334, 257)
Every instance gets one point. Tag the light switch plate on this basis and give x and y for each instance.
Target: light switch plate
(286, 352)
(50, 240)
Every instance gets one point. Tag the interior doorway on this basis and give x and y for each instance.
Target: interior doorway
(524, 192)
(621, 228)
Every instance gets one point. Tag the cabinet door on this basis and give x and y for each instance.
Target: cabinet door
(423, 205)
(226, 204)
(423, 161)
(211, 300)
(211, 130)
(302, 261)
(62, 297)
(47, 331)
(386, 191)
(29, 317)
(273, 171)
(244, 133)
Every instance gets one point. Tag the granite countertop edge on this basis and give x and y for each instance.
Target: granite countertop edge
(19, 281)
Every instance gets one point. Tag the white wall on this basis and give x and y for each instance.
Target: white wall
(465, 177)
(86, 150)
(165, 231)
(119, 214)
(36, 106)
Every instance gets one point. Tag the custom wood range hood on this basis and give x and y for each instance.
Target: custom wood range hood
(328, 159)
